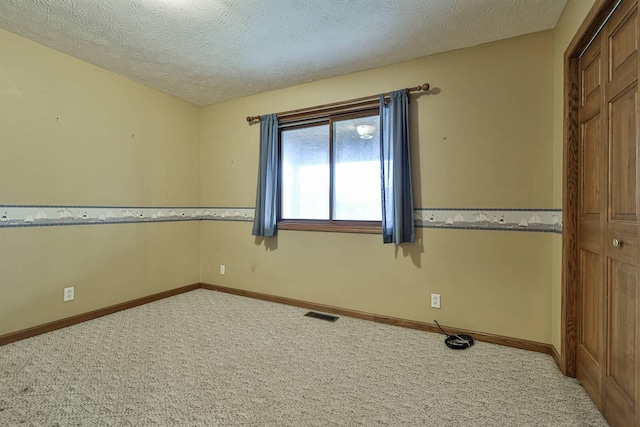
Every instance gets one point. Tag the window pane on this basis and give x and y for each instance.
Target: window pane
(305, 173)
(357, 170)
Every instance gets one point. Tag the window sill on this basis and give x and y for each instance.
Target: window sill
(361, 227)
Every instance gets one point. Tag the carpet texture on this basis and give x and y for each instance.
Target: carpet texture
(207, 358)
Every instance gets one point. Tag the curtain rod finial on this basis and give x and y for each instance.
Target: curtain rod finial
(424, 86)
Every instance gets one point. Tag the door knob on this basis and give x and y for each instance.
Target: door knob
(617, 242)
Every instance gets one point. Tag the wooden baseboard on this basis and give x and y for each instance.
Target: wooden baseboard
(557, 359)
(479, 336)
(63, 323)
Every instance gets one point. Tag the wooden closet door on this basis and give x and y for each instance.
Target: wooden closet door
(620, 382)
(608, 297)
(592, 184)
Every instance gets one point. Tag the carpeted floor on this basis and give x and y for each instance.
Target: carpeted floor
(211, 359)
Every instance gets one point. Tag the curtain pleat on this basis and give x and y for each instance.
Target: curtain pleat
(264, 222)
(395, 169)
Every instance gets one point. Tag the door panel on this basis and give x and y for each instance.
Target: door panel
(590, 338)
(592, 78)
(591, 159)
(591, 317)
(622, 318)
(623, 173)
(592, 197)
(623, 43)
(619, 390)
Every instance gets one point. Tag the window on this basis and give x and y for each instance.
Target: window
(330, 173)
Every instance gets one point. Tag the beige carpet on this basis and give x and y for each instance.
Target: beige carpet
(210, 359)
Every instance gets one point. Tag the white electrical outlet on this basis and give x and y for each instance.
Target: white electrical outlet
(68, 294)
(435, 300)
(223, 270)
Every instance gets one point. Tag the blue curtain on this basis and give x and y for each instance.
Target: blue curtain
(264, 222)
(395, 169)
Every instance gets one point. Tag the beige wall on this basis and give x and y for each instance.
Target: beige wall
(74, 134)
(484, 140)
(572, 17)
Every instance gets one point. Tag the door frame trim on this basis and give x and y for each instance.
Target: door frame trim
(570, 179)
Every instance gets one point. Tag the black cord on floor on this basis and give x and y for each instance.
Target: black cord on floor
(456, 342)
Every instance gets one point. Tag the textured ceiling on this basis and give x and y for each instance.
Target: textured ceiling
(207, 51)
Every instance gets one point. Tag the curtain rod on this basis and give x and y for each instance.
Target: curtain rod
(364, 100)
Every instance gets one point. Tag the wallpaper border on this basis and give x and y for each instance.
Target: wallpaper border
(542, 220)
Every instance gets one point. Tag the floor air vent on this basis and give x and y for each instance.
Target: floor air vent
(326, 317)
